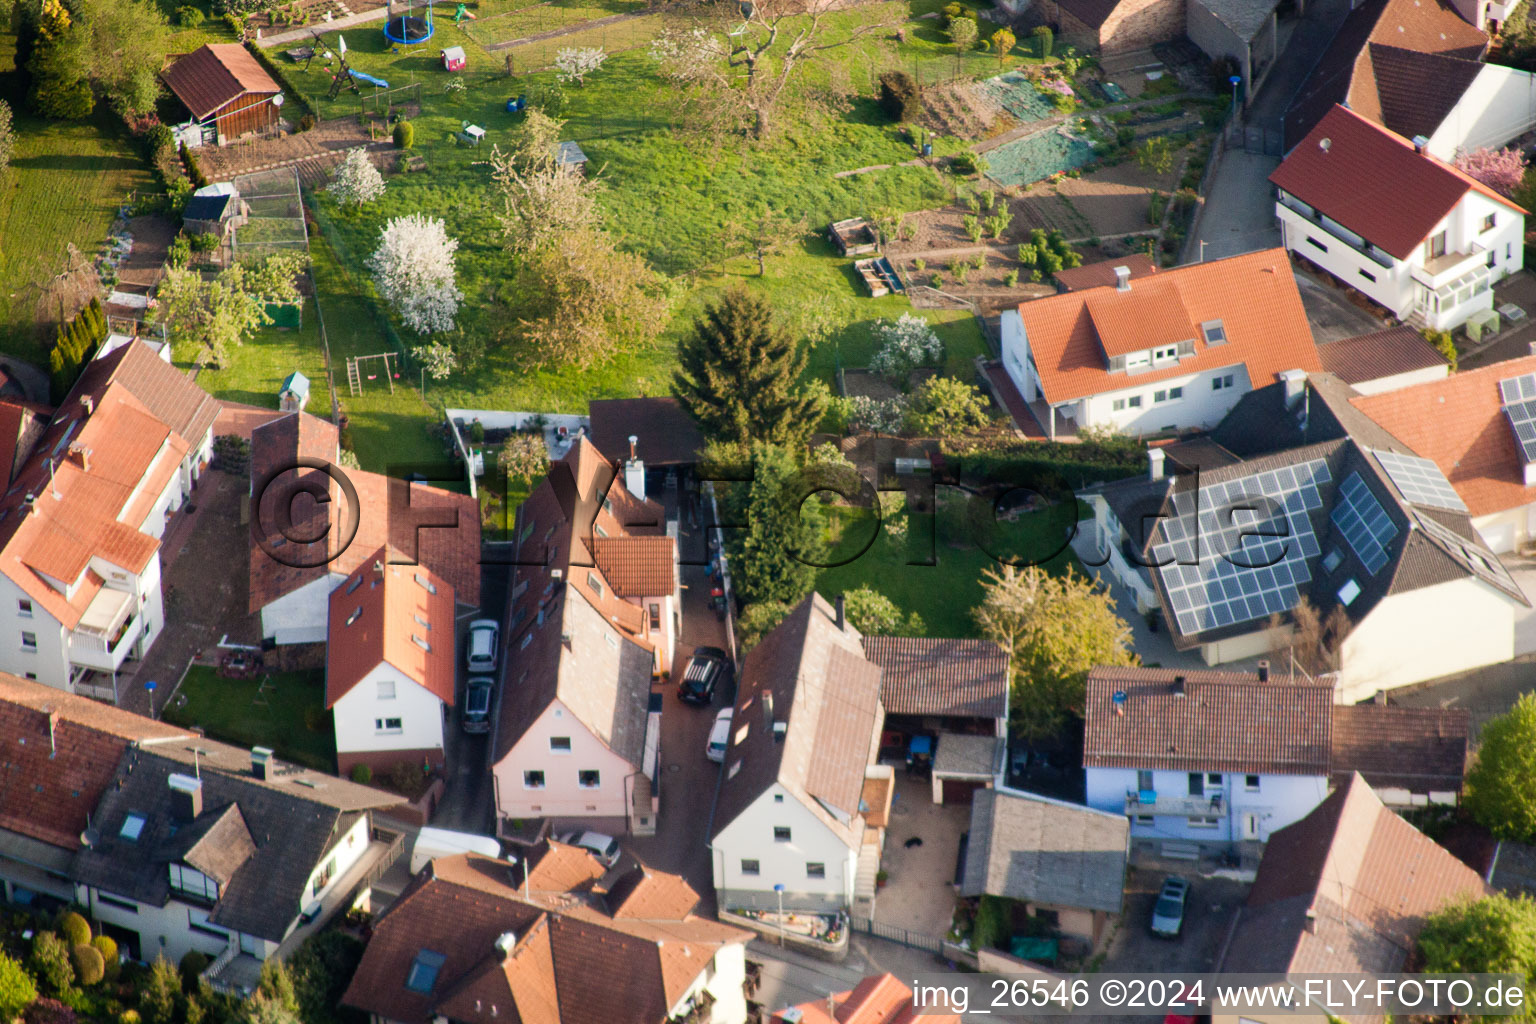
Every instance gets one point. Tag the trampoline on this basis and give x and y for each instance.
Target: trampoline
(410, 28)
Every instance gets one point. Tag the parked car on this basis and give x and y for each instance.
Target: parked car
(604, 848)
(1168, 912)
(481, 656)
(477, 705)
(719, 737)
(705, 671)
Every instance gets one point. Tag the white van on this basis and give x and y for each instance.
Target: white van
(432, 843)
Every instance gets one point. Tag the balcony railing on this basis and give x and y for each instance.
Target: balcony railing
(1365, 249)
(1447, 270)
(102, 652)
(1150, 802)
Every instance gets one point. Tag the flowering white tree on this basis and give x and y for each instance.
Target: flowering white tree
(881, 415)
(437, 358)
(413, 267)
(906, 344)
(357, 181)
(575, 63)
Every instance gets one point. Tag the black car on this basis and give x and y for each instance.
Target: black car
(706, 670)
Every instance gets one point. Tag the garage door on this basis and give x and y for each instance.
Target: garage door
(957, 791)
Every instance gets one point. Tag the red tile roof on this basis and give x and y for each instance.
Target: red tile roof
(570, 960)
(667, 435)
(55, 777)
(1368, 357)
(928, 676)
(1422, 750)
(638, 566)
(210, 78)
(1254, 296)
(878, 999)
(1094, 275)
(1374, 183)
(1459, 424)
(377, 616)
(1216, 722)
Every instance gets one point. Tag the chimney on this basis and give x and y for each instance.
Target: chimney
(634, 471)
(53, 739)
(261, 762)
(1325, 144)
(1122, 279)
(505, 943)
(1420, 144)
(1179, 689)
(186, 797)
(1295, 382)
(1264, 670)
(1155, 459)
(1380, 700)
(89, 403)
(84, 453)
(1311, 921)
(841, 618)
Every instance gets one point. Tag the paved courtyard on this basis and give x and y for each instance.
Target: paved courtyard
(919, 894)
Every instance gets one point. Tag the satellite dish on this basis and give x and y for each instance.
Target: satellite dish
(277, 101)
(89, 838)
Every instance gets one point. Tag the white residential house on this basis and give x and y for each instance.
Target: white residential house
(1385, 217)
(804, 803)
(1156, 354)
(389, 677)
(1368, 526)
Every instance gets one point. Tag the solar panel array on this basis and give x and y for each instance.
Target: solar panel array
(1481, 561)
(1238, 550)
(1420, 480)
(1519, 397)
(1363, 522)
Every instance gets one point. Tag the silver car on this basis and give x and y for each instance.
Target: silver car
(481, 656)
(604, 847)
(1168, 912)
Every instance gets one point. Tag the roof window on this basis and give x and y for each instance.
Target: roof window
(419, 642)
(423, 973)
(356, 614)
(1348, 592)
(355, 582)
(133, 827)
(1215, 332)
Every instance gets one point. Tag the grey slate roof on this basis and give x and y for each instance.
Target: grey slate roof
(1031, 848)
(958, 754)
(1430, 546)
(267, 837)
(1244, 17)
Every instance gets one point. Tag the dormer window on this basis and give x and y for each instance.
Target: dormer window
(186, 881)
(1215, 332)
(1165, 354)
(1137, 361)
(423, 973)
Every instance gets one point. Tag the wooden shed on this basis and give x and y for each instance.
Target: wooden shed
(224, 87)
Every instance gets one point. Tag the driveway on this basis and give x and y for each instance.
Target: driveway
(1515, 340)
(1239, 212)
(1207, 916)
(688, 779)
(469, 801)
(1332, 316)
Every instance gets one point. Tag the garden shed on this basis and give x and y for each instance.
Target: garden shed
(570, 157)
(294, 394)
(224, 88)
(452, 58)
(215, 210)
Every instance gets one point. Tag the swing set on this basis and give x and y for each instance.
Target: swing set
(357, 371)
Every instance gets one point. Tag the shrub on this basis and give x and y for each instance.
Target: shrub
(956, 10)
(191, 968)
(967, 163)
(973, 228)
(405, 135)
(476, 432)
(306, 122)
(129, 1016)
(158, 137)
(344, 437)
(50, 963)
(90, 966)
(194, 171)
(919, 265)
(205, 241)
(1044, 40)
(189, 17)
(49, 1011)
(17, 990)
(361, 774)
(992, 923)
(900, 97)
(75, 928)
(1442, 343)
(109, 956)
(1011, 279)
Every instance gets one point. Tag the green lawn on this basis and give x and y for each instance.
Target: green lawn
(935, 568)
(284, 711)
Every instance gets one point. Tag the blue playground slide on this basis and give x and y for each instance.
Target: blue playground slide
(370, 80)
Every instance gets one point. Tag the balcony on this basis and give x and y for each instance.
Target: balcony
(105, 632)
(1444, 271)
(1337, 232)
(1150, 802)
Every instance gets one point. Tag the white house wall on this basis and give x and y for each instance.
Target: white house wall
(750, 837)
(346, 852)
(1499, 106)
(1424, 634)
(1504, 531)
(1279, 801)
(1403, 380)
(301, 616)
(1392, 287)
(48, 664)
(419, 711)
(723, 980)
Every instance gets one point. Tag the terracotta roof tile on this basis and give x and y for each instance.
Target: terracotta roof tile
(646, 894)
(1254, 296)
(1459, 424)
(463, 905)
(1368, 357)
(925, 676)
(1344, 890)
(377, 616)
(1095, 275)
(1224, 722)
(1374, 183)
(638, 566)
(667, 434)
(56, 776)
(877, 999)
(1421, 750)
(212, 76)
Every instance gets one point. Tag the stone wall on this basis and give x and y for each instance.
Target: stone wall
(1139, 24)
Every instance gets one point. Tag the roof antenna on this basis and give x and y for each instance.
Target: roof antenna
(197, 770)
(56, 495)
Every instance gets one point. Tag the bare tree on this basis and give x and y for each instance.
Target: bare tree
(755, 64)
(1315, 641)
